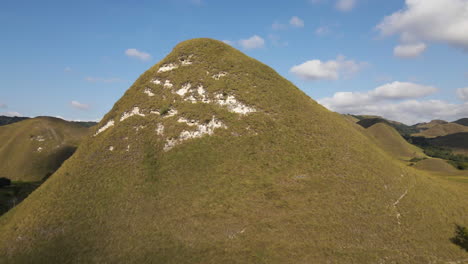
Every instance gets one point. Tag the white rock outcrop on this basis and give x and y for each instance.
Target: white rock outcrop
(135, 111)
(168, 67)
(168, 84)
(104, 127)
(200, 131)
(185, 88)
(219, 75)
(148, 92)
(233, 105)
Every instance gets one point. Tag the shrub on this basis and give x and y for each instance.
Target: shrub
(4, 182)
(461, 237)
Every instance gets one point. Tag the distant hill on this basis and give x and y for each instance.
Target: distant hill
(403, 129)
(392, 142)
(444, 129)
(430, 124)
(34, 148)
(462, 121)
(5, 120)
(436, 165)
(457, 142)
(213, 157)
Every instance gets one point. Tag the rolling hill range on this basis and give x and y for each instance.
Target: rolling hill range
(391, 141)
(457, 142)
(6, 120)
(210, 157)
(462, 121)
(33, 149)
(442, 130)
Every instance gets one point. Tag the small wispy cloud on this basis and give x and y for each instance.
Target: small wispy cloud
(10, 113)
(67, 69)
(134, 53)
(345, 5)
(322, 30)
(79, 106)
(296, 22)
(254, 42)
(102, 80)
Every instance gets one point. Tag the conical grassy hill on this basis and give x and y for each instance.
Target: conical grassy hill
(391, 141)
(212, 157)
(33, 149)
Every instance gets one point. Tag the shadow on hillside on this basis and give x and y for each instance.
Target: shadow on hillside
(461, 237)
(13, 193)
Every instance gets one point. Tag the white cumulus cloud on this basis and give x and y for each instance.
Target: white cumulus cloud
(253, 42)
(134, 53)
(78, 105)
(296, 22)
(463, 93)
(409, 50)
(10, 113)
(327, 70)
(345, 5)
(396, 101)
(401, 90)
(429, 21)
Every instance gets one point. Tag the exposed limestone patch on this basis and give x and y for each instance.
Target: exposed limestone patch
(171, 112)
(156, 81)
(153, 112)
(398, 215)
(39, 149)
(188, 122)
(138, 128)
(168, 84)
(219, 75)
(128, 148)
(186, 61)
(185, 88)
(233, 105)
(103, 128)
(135, 111)
(39, 138)
(111, 148)
(160, 129)
(201, 130)
(148, 92)
(168, 67)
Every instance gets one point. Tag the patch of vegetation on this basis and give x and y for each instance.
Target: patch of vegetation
(457, 160)
(14, 193)
(461, 237)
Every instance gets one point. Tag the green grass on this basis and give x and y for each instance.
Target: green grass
(291, 183)
(20, 158)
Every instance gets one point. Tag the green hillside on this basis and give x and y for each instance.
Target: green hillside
(6, 120)
(462, 121)
(34, 148)
(212, 157)
(442, 130)
(391, 141)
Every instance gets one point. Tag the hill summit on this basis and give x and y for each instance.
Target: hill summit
(210, 157)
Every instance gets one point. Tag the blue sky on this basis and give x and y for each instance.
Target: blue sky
(72, 59)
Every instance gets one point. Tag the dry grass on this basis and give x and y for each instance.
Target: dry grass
(291, 183)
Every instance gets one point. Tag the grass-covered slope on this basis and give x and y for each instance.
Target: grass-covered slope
(247, 170)
(462, 121)
(34, 148)
(442, 130)
(457, 142)
(6, 120)
(391, 141)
